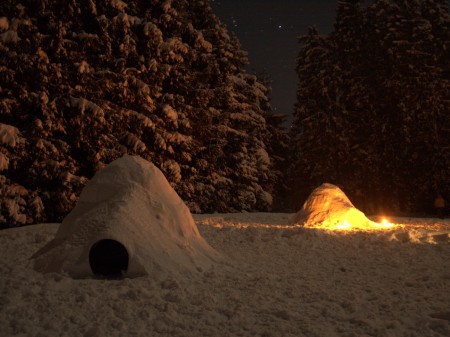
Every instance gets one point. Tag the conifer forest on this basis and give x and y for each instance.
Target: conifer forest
(84, 82)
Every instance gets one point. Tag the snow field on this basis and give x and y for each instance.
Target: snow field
(278, 280)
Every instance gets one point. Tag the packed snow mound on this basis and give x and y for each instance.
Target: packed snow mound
(329, 207)
(128, 212)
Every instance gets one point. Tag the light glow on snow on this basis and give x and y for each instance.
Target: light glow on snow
(355, 224)
(344, 225)
(385, 224)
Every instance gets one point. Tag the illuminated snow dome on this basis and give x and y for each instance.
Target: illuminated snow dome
(128, 222)
(329, 208)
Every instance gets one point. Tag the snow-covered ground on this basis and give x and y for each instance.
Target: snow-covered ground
(277, 280)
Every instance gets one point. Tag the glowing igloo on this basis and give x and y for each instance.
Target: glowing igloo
(128, 221)
(329, 208)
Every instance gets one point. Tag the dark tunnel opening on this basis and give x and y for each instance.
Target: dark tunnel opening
(108, 258)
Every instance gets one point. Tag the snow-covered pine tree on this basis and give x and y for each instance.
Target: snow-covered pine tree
(316, 128)
(227, 121)
(86, 81)
(360, 159)
(246, 103)
(436, 12)
(277, 146)
(391, 89)
(419, 90)
(278, 149)
(389, 144)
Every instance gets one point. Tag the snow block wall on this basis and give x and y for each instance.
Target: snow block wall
(327, 207)
(128, 214)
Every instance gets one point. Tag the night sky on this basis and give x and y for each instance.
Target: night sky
(268, 31)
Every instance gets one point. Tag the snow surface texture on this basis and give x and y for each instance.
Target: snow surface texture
(286, 281)
(130, 201)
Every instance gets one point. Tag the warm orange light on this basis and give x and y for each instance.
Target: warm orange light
(385, 223)
(344, 225)
(356, 224)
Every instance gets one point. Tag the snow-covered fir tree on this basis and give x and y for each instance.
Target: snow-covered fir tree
(380, 118)
(84, 82)
(277, 146)
(315, 130)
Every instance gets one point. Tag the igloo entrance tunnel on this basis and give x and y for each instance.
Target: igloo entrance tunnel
(108, 258)
(128, 221)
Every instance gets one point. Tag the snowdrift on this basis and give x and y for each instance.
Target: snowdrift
(129, 221)
(329, 208)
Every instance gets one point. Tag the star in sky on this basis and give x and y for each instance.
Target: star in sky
(268, 30)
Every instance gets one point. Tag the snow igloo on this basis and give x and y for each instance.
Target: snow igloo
(329, 208)
(127, 222)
